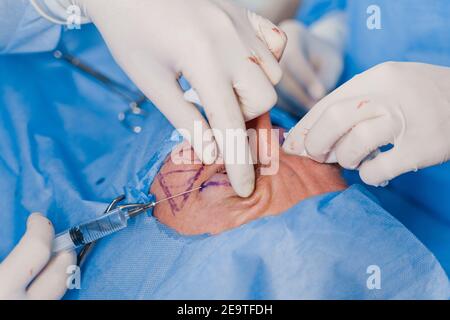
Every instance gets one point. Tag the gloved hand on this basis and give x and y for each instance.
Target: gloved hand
(228, 55)
(313, 60)
(404, 104)
(274, 10)
(29, 272)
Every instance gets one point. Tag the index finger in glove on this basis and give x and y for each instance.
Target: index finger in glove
(226, 119)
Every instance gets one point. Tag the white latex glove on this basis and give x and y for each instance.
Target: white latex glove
(404, 104)
(274, 10)
(313, 60)
(29, 272)
(228, 54)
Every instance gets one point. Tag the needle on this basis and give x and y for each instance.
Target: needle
(175, 196)
(144, 208)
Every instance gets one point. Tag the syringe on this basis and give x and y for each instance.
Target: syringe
(103, 226)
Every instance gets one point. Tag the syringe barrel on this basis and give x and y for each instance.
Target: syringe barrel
(91, 231)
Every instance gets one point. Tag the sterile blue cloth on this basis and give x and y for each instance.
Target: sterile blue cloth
(63, 152)
(430, 228)
(411, 30)
(23, 30)
(312, 10)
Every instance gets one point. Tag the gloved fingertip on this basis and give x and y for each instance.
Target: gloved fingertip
(37, 217)
(269, 33)
(245, 190)
(317, 90)
(209, 153)
(280, 40)
(36, 214)
(244, 182)
(371, 178)
(319, 158)
(275, 39)
(374, 183)
(208, 161)
(39, 227)
(314, 153)
(332, 158)
(294, 146)
(291, 148)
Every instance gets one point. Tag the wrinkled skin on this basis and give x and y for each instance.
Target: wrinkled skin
(216, 208)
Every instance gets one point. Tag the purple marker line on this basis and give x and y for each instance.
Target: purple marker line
(166, 174)
(173, 205)
(191, 181)
(215, 184)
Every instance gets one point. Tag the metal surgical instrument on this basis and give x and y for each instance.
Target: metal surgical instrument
(107, 224)
(134, 116)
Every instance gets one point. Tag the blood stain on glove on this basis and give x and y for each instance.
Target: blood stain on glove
(255, 59)
(276, 30)
(362, 104)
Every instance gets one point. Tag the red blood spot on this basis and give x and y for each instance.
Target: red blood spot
(255, 60)
(362, 104)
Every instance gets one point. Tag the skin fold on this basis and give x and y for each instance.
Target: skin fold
(216, 207)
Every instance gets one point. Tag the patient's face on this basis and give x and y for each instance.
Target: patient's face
(216, 208)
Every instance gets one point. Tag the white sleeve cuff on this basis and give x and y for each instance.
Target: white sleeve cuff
(62, 12)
